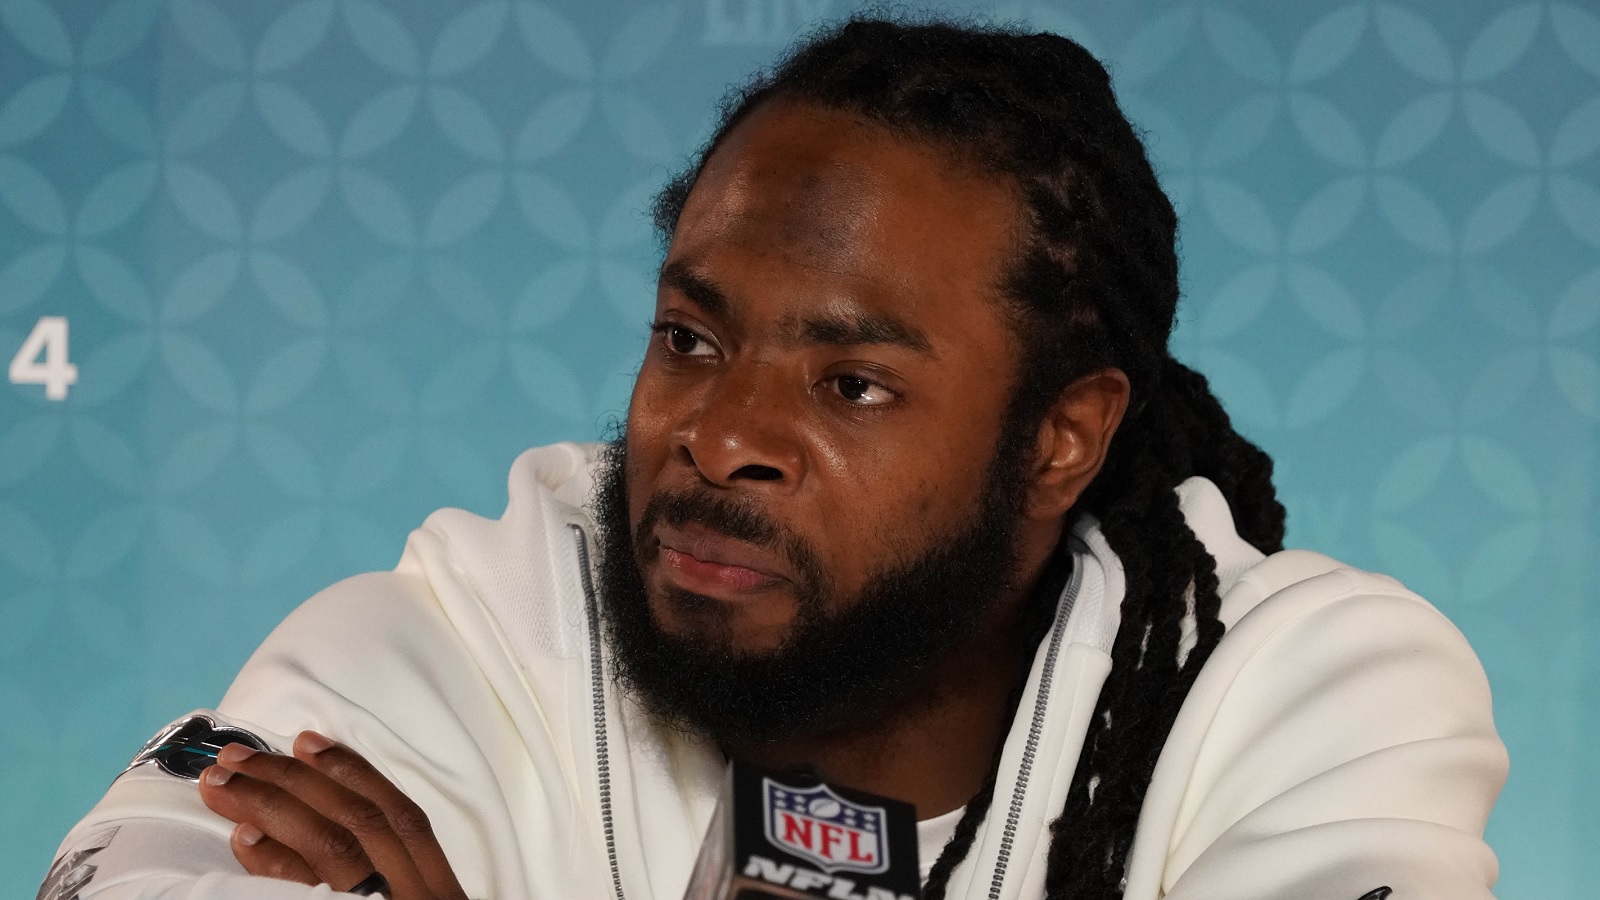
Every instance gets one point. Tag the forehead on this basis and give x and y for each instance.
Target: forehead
(830, 209)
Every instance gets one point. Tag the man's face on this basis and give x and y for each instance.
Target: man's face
(815, 424)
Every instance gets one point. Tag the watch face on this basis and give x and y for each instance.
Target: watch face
(188, 747)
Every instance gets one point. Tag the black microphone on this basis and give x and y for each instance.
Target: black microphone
(791, 837)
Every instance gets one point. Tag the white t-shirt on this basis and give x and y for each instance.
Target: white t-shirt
(933, 834)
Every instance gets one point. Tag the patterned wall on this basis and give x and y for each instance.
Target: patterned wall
(326, 265)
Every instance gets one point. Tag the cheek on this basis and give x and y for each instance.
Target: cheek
(660, 402)
(889, 504)
(648, 442)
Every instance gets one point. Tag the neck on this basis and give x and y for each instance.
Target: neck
(938, 746)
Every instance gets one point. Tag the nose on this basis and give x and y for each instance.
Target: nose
(744, 434)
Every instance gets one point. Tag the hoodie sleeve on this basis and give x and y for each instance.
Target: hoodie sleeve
(151, 838)
(464, 676)
(1340, 746)
(155, 857)
(370, 662)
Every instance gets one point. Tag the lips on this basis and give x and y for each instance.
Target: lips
(705, 562)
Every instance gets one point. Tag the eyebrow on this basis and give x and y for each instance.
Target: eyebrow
(865, 328)
(696, 287)
(833, 330)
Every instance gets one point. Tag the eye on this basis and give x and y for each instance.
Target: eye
(862, 391)
(681, 341)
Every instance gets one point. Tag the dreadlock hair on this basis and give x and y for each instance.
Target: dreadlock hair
(1095, 286)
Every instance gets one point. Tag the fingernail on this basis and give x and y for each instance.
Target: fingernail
(217, 775)
(248, 834)
(233, 753)
(311, 742)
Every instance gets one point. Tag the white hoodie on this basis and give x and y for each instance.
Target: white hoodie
(1338, 740)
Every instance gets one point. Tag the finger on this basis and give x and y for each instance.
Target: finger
(354, 817)
(261, 855)
(333, 853)
(353, 812)
(408, 821)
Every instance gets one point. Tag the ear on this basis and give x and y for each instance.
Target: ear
(1073, 439)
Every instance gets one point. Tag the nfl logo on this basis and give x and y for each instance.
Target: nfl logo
(818, 825)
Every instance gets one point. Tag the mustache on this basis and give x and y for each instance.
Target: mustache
(736, 519)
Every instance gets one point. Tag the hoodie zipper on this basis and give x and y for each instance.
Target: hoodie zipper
(597, 690)
(1030, 749)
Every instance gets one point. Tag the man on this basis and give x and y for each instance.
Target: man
(911, 494)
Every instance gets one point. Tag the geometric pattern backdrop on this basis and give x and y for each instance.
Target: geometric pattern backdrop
(327, 265)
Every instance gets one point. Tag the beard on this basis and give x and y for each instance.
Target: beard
(845, 662)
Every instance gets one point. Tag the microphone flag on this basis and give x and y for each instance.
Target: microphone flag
(790, 836)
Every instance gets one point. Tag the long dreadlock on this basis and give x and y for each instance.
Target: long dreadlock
(1095, 287)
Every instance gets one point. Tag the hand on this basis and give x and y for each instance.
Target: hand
(326, 816)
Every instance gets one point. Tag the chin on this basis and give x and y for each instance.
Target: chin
(736, 628)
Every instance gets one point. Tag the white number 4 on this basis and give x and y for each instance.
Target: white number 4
(43, 359)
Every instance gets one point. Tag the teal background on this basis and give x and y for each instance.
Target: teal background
(330, 264)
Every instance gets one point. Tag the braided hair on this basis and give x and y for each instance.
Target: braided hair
(1095, 286)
